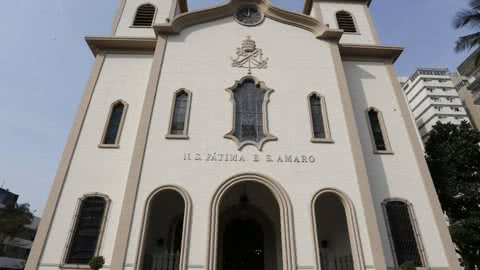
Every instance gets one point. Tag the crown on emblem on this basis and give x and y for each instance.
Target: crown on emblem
(248, 45)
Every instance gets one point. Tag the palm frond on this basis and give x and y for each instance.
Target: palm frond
(475, 4)
(467, 42)
(467, 17)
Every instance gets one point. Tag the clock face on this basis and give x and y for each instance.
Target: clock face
(249, 16)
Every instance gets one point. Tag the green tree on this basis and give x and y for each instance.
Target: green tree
(453, 157)
(13, 219)
(468, 18)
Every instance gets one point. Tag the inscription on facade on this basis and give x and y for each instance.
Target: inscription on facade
(237, 157)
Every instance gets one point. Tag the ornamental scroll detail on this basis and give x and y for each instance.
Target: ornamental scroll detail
(249, 56)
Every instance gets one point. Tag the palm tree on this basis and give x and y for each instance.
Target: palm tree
(468, 18)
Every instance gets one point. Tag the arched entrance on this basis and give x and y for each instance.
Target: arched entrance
(250, 227)
(335, 230)
(165, 229)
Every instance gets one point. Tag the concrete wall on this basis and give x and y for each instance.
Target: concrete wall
(394, 175)
(100, 170)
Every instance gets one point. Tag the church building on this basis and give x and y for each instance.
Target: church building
(243, 137)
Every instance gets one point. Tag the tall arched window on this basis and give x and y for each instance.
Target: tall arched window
(145, 15)
(250, 99)
(403, 233)
(345, 22)
(87, 230)
(111, 134)
(180, 114)
(319, 119)
(378, 131)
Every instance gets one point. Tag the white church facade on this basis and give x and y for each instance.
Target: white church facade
(243, 136)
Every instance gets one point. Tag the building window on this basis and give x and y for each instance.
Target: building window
(378, 131)
(319, 119)
(345, 22)
(145, 15)
(403, 233)
(250, 122)
(113, 127)
(180, 115)
(456, 109)
(87, 230)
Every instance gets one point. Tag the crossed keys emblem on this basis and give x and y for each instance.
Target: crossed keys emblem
(249, 57)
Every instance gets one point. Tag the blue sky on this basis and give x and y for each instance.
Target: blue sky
(44, 66)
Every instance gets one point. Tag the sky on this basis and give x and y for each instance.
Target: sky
(45, 64)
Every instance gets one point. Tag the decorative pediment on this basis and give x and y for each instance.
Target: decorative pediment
(185, 20)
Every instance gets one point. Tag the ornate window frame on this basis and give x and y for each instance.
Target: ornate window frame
(388, 148)
(132, 25)
(73, 225)
(266, 99)
(355, 24)
(120, 126)
(416, 231)
(326, 124)
(184, 135)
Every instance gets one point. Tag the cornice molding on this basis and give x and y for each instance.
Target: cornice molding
(100, 44)
(185, 20)
(370, 52)
(307, 7)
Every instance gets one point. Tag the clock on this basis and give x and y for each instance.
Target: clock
(249, 16)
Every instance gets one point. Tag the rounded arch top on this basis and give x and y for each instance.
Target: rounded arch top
(188, 19)
(285, 210)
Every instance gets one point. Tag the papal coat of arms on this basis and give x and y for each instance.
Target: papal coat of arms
(249, 56)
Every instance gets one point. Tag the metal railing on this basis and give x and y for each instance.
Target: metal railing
(332, 262)
(162, 261)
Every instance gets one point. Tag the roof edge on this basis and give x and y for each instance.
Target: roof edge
(370, 51)
(185, 20)
(307, 7)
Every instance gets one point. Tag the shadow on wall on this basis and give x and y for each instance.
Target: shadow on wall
(375, 166)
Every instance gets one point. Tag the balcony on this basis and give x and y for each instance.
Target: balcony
(475, 88)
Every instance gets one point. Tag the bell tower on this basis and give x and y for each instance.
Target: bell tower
(164, 11)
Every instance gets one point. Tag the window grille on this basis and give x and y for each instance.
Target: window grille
(345, 22)
(402, 233)
(179, 113)
(86, 233)
(145, 15)
(317, 117)
(249, 112)
(377, 131)
(114, 123)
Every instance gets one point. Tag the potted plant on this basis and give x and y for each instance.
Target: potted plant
(408, 266)
(96, 262)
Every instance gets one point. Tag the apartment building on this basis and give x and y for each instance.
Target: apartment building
(433, 97)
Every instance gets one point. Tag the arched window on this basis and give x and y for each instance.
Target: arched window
(87, 230)
(111, 134)
(403, 233)
(345, 22)
(145, 15)
(378, 132)
(180, 114)
(319, 120)
(250, 99)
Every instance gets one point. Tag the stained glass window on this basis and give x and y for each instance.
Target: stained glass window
(377, 131)
(249, 112)
(87, 230)
(114, 122)
(402, 233)
(317, 117)
(179, 113)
